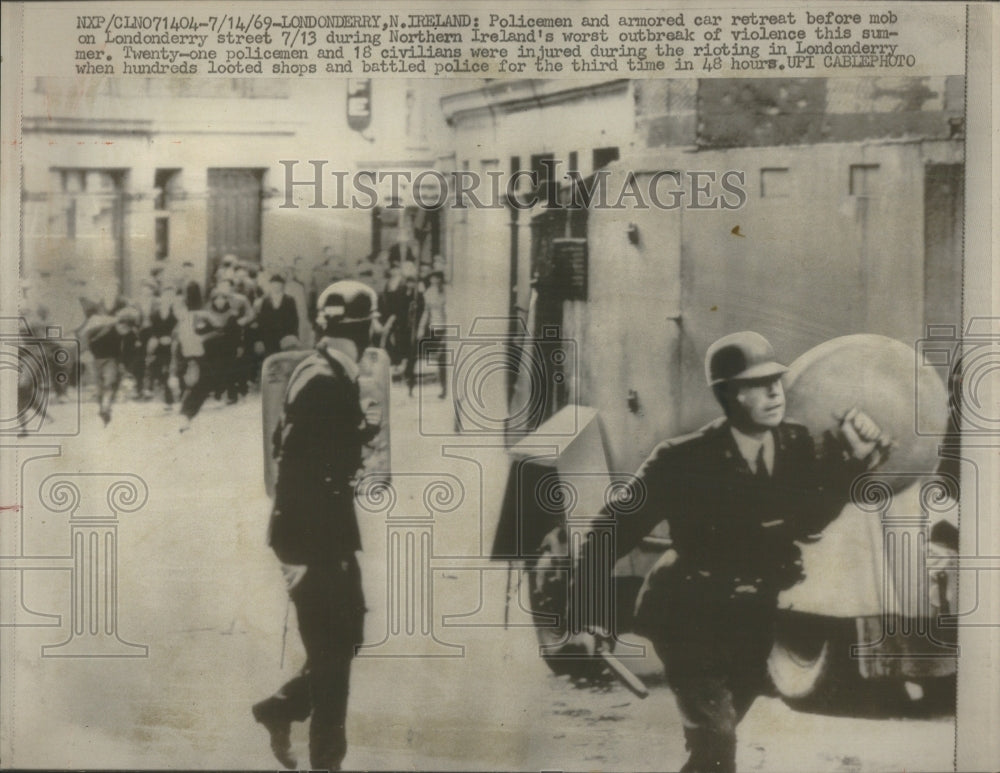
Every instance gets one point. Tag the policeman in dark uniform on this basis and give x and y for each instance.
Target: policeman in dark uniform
(313, 528)
(737, 495)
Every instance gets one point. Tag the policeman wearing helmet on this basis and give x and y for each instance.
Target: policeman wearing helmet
(737, 495)
(313, 529)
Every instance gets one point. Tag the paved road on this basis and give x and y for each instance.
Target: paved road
(199, 587)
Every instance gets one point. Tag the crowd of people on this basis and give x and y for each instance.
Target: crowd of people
(183, 342)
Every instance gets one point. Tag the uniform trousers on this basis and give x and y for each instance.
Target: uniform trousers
(329, 604)
(716, 666)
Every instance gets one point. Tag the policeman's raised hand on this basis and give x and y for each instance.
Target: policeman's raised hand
(863, 436)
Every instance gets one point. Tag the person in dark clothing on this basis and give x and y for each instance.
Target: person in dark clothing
(248, 285)
(235, 363)
(313, 528)
(162, 321)
(737, 495)
(111, 340)
(219, 332)
(148, 298)
(408, 333)
(393, 306)
(245, 281)
(277, 318)
(191, 287)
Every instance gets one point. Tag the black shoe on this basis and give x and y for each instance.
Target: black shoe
(105, 417)
(280, 732)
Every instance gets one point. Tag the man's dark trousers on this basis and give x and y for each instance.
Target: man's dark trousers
(329, 604)
(716, 667)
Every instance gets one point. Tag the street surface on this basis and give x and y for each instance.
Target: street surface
(199, 586)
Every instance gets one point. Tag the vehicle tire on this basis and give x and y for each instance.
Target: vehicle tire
(548, 581)
(798, 672)
(808, 664)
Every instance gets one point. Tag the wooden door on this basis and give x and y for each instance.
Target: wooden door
(233, 215)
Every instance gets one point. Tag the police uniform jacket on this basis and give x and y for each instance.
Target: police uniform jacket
(318, 445)
(734, 532)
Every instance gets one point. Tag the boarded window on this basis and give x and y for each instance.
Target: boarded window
(864, 180)
(233, 215)
(775, 183)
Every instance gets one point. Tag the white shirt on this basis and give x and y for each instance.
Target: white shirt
(434, 312)
(750, 448)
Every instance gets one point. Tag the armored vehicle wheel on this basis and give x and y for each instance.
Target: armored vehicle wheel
(548, 594)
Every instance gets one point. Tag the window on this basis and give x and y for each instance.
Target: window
(604, 156)
(775, 183)
(166, 188)
(864, 180)
(87, 203)
(166, 184)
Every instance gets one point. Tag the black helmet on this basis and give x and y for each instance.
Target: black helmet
(740, 357)
(345, 302)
